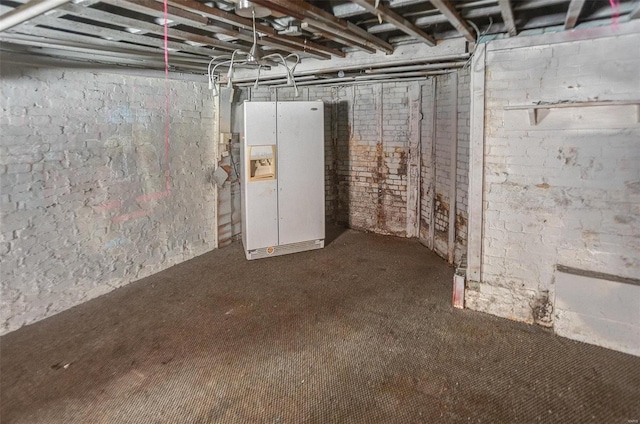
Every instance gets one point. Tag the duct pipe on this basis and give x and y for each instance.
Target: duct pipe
(28, 11)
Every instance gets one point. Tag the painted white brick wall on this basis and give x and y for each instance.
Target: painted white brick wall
(443, 137)
(84, 201)
(365, 162)
(462, 178)
(366, 152)
(565, 191)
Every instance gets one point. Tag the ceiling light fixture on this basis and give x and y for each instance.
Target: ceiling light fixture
(163, 21)
(247, 9)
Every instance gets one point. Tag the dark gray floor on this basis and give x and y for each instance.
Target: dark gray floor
(360, 332)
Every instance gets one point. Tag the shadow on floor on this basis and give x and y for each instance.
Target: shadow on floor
(332, 232)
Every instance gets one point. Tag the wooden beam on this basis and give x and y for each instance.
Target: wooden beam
(25, 12)
(397, 20)
(414, 160)
(476, 165)
(220, 15)
(635, 13)
(575, 7)
(308, 12)
(116, 62)
(151, 7)
(453, 172)
(452, 15)
(507, 17)
(431, 241)
(146, 27)
(332, 34)
(96, 52)
(117, 35)
(229, 18)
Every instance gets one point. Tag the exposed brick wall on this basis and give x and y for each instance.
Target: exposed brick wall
(444, 135)
(84, 204)
(366, 153)
(375, 170)
(564, 191)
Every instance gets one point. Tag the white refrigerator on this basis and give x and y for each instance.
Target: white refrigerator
(282, 174)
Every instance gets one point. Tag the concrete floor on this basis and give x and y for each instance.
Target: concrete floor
(360, 332)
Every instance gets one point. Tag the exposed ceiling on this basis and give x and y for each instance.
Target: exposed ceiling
(132, 32)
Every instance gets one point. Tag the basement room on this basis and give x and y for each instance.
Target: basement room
(319, 211)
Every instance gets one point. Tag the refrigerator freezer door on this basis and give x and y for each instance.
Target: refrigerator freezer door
(300, 168)
(259, 195)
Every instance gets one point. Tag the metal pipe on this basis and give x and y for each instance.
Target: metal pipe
(350, 81)
(445, 65)
(348, 68)
(28, 11)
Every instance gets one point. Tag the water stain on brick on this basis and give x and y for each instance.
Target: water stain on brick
(562, 200)
(402, 168)
(441, 205)
(570, 156)
(542, 310)
(620, 219)
(441, 214)
(424, 224)
(378, 178)
(633, 186)
(461, 226)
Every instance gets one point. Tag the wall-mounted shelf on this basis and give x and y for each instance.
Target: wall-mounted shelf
(533, 109)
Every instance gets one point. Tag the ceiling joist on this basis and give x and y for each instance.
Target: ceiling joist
(205, 23)
(575, 7)
(635, 13)
(197, 31)
(340, 36)
(397, 20)
(507, 16)
(450, 12)
(229, 18)
(45, 37)
(140, 27)
(313, 16)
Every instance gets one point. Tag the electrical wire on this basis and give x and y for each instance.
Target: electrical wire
(478, 37)
(233, 162)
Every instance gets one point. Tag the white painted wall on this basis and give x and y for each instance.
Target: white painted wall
(368, 153)
(89, 199)
(567, 190)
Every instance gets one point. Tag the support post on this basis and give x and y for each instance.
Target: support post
(453, 170)
(476, 166)
(413, 161)
(432, 182)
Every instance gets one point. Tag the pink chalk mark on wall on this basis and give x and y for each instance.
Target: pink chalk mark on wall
(615, 5)
(167, 173)
(109, 205)
(129, 216)
(153, 196)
